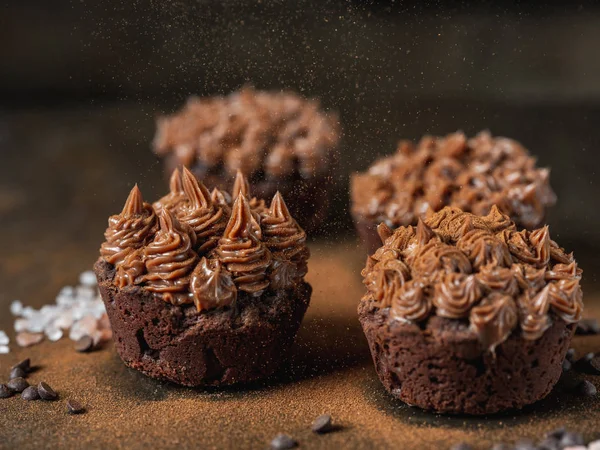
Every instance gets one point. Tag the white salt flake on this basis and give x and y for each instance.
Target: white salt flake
(27, 312)
(4, 340)
(16, 308)
(4, 349)
(595, 445)
(21, 325)
(64, 320)
(88, 278)
(76, 333)
(67, 291)
(25, 339)
(53, 334)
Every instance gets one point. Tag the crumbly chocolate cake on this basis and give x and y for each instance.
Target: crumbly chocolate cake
(466, 314)
(200, 291)
(471, 174)
(281, 141)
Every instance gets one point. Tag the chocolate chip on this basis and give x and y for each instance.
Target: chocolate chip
(283, 442)
(566, 365)
(461, 446)
(5, 391)
(571, 440)
(46, 392)
(24, 365)
(586, 388)
(583, 364)
(74, 407)
(595, 365)
(17, 372)
(18, 384)
(588, 326)
(322, 424)
(84, 344)
(570, 356)
(31, 393)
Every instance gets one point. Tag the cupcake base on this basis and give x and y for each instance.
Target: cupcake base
(214, 348)
(443, 367)
(308, 199)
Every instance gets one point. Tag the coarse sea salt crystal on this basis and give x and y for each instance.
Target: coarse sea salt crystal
(21, 325)
(88, 278)
(27, 312)
(594, 445)
(64, 320)
(53, 334)
(4, 349)
(4, 340)
(27, 339)
(16, 308)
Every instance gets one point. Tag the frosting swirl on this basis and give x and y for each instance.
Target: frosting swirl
(470, 174)
(461, 266)
(129, 230)
(130, 271)
(198, 212)
(211, 285)
(169, 259)
(176, 195)
(242, 252)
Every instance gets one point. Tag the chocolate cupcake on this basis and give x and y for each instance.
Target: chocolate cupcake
(281, 141)
(200, 291)
(465, 314)
(471, 174)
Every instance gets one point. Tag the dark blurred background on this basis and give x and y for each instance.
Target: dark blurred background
(82, 81)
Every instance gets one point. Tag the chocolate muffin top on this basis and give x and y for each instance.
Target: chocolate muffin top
(193, 246)
(479, 269)
(471, 174)
(273, 133)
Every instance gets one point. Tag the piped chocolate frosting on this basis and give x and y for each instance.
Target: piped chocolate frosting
(479, 269)
(471, 174)
(274, 133)
(202, 250)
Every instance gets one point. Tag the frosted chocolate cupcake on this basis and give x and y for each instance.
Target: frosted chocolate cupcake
(471, 174)
(466, 314)
(281, 141)
(200, 291)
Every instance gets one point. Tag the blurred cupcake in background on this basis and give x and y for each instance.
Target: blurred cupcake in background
(471, 174)
(280, 140)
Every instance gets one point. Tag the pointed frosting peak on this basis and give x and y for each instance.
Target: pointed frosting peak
(384, 232)
(175, 184)
(195, 190)
(240, 185)
(424, 233)
(166, 220)
(241, 223)
(467, 225)
(134, 205)
(279, 208)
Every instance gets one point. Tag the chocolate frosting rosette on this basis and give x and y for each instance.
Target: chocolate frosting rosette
(474, 293)
(194, 281)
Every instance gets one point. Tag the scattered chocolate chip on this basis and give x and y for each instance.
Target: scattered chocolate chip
(566, 365)
(283, 442)
(586, 388)
(46, 392)
(595, 365)
(24, 365)
(571, 440)
(5, 391)
(31, 393)
(462, 446)
(588, 326)
(583, 364)
(17, 372)
(570, 356)
(84, 344)
(322, 424)
(18, 384)
(74, 407)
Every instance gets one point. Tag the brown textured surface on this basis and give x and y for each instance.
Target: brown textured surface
(218, 347)
(95, 158)
(444, 367)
